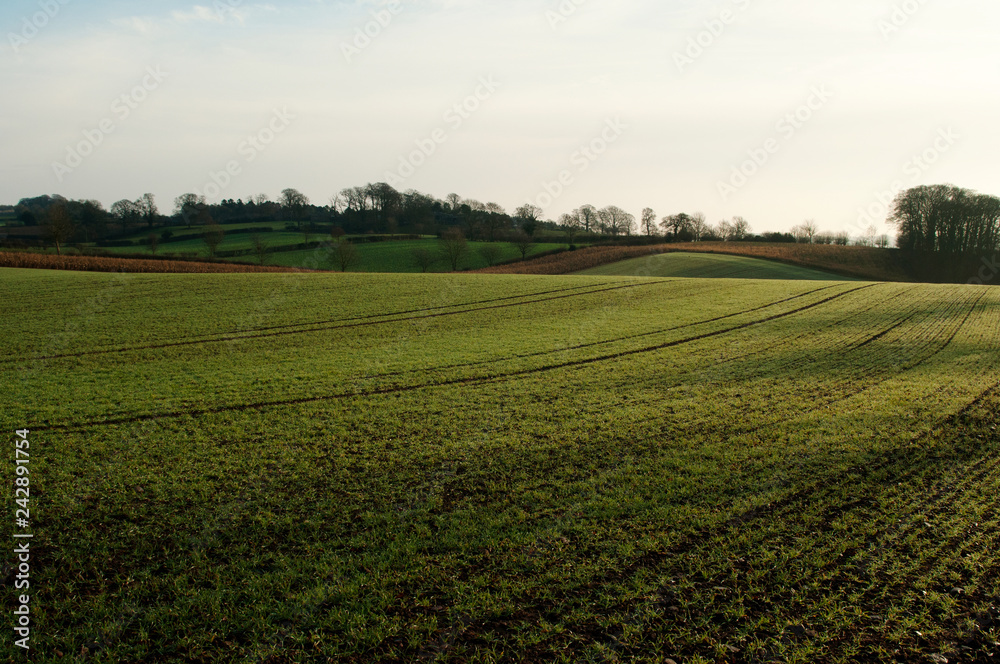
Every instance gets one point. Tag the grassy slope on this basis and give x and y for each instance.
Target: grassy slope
(391, 468)
(709, 266)
(859, 262)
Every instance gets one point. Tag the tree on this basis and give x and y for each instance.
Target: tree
(648, 221)
(699, 226)
(523, 243)
(345, 255)
(571, 225)
(676, 225)
(491, 253)
(737, 229)
(588, 217)
(58, 226)
(453, 247)
(615, 220)
(93, 218)
(146, 206)
(946, 218)
(260, 248)
(454, 201)
(187, 206)
(423, 258)
(153, 240)
(527, 216)
(494, 219)
(805, 232)
(295, 203)
(213, 236)
(127, 213)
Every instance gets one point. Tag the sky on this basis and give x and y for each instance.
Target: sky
(778, 111)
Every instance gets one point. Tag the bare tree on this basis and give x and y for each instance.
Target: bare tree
(805, 232)
(528, 216)
(153, 240)
(58, 226)
(126, 212)
(491, 253)
(571, 225)
(213, 236)
(523, 242)
(423, 258)
(616, 221)
(725, 230)
(186, 205)
(260, 248)
(146, 206)
(741, 228)
(588, 217)
(295, 203)
(453, 247)
(454, 201)
(676, 224)
(345, 254)
(699, 226)
(648, 221)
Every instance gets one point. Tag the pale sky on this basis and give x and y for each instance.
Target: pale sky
(112, 99)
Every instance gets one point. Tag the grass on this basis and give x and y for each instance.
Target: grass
(709, 266)
(485, 468)
(397, 256)
(389, 256)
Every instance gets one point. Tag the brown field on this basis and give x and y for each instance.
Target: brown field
(861, 262)
(107, 264)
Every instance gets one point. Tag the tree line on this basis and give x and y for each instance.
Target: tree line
(947, 219)
(940, 218)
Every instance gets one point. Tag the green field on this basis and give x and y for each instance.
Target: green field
(389, 256)
(397, 256)
(488, 468)
(709, 266)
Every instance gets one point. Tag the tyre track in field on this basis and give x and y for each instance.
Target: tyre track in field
(466, 381)
(265, 335)
(837, 392)
(592, 344)
(781, 509)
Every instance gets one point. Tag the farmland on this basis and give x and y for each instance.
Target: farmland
(709, 266)
(485, 468)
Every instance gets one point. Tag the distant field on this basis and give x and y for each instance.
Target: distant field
(485, 468)
(397, 256)
(387, 256)
(709, 266)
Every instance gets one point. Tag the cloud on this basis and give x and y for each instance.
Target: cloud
(222, 12)
(140, 24)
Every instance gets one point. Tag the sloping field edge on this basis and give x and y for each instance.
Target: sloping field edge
(860, 262)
